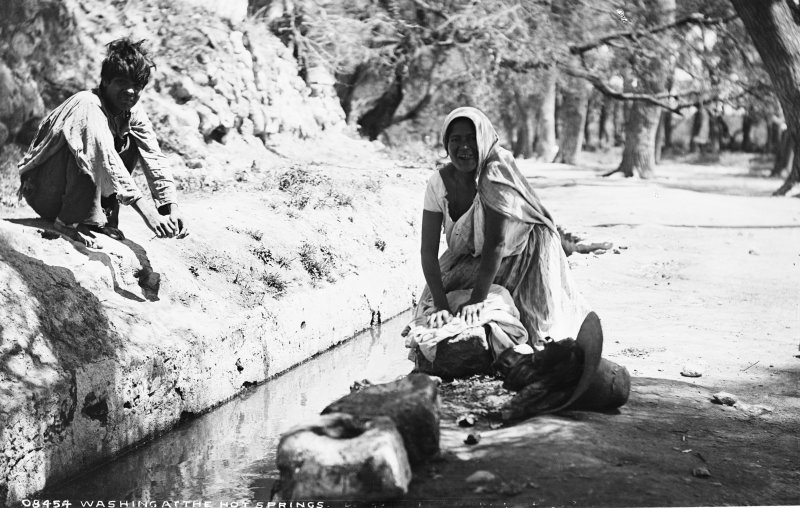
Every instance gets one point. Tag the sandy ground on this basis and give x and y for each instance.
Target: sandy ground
(704, 276)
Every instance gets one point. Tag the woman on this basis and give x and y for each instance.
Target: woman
(497, 233)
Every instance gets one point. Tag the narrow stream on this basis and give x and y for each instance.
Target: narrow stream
(228, 454)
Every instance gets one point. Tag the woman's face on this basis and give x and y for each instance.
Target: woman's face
(462, 145)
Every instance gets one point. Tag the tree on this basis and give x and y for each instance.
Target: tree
(773, 28)
(573, 113)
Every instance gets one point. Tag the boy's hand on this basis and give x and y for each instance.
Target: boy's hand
(181, 231)
(159, 224)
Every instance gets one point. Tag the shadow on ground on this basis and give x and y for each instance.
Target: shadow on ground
(646, 455)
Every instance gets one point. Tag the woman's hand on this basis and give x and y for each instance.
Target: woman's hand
(470, 312)
(439, 318)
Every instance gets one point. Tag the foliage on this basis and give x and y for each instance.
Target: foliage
(410, 61)
(318, 261)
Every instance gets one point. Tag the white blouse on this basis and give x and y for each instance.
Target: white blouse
(436, 201)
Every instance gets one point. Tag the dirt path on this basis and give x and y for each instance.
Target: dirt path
(705, 276)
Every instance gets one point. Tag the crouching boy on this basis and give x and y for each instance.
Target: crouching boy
(78, 168)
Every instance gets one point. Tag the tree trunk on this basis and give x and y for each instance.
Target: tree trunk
(700, 129)
(621, 115)
(747, 125)
(714, 135)
(591, 117)
(546, 126)
(773, 28)
(640, 140)
(773, 135)
(573, 117)
(784, 155)
(651, 71)
(659, 138)
(605, 135)
(526, 128)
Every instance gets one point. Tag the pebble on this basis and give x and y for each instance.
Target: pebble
(49, 235)
(481, 476)
(467, 420)
(472, 439)
(690, 371)
(724, 398)
(701, 472)
(754, 410)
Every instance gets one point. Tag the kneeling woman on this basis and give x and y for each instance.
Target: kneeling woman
(498, 236)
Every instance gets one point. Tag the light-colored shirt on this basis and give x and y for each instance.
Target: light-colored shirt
(84, 125)
(436, 201)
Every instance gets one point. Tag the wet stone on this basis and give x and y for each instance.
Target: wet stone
(467, 420)
(462, 356)
(481, 477)
(472, 439)
(344, 458)
(411, 402)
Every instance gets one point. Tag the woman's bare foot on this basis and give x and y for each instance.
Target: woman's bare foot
(80, 234)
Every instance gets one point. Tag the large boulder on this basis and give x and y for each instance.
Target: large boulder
(411, 402)
(464, 355)
(342, 457)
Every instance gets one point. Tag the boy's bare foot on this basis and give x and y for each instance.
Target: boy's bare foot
(112, 214)
(81, 234)
(112, 231)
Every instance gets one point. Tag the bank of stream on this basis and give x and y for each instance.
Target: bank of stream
(228, 454)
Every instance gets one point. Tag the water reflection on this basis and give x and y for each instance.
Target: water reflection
(229, 454)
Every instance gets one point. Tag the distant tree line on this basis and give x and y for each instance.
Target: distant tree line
(561, 75)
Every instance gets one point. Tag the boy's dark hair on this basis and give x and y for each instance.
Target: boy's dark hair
(127, 59)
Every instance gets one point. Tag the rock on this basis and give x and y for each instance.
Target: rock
(753, 410)
(701, 472)
(724, 398)
(464, 355)
(149, 280)
(467, 420)
(609, 389)
(472, 439)
(691, 371)
(344, 458)
(183, 90)
(588, 247)
(481, 477)
(411, 402)
(358, 385)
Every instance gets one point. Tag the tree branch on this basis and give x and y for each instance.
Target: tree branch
(696, 19)
(606, 89)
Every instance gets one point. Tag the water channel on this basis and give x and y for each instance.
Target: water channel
(228, 454)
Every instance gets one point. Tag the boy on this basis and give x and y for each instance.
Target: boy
(77, 170)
